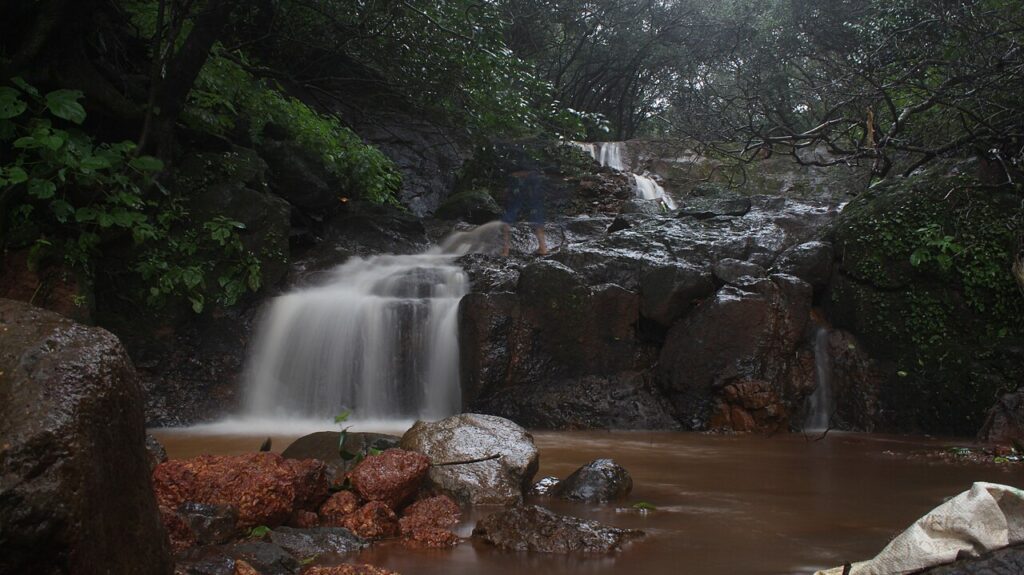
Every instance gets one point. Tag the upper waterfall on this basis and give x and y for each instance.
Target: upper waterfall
(612, 155)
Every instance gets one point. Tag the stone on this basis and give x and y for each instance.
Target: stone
(545, 485)
(667, 292)
(347, 569)
(730, 207)
(339, 506)
(73, 460)
(323, 446)
(1005, 561)
(155, 452)
(811, 262)
(264, 487)
(473, 206)
(534, 528)
(428, 522)
(474, 436)
(265, 558)
(210, 524)
(302, 519)
(304, 543)
(599, 481)
(1005, 421)
(729, 270)
(392, 477)
(375, 520)
(301, 178)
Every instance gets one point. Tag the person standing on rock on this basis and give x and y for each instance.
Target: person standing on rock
(525, 192)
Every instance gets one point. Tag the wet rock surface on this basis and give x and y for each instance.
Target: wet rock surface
(599, 481)
(347, 569)
(264, 487)
(209, 524)
(323, 445)
(73, 460)
(304, 543)
(474, 436)
(428, 522)
(375, 520)
(1005, 421)
(1007, 561)
(393, 477)
(534, 528)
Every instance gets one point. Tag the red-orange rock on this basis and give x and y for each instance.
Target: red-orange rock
(339, 506)
(347, 569)
(243, 568)
(304, 520)
(393, 477)
(375, 520)
(425, 523)
(264, 487)
(181, 535)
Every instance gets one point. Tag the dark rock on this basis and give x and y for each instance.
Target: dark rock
(1006, 561)
(619, 224)
(264, 487)
(545, 485)
(301, 178)
(304, 543)
(667, 292)
(490, 273)
(474, 436)
(347, 569)
(734, 337)
(473, 206)
(1005, 421)
(811, 262)
(155, 452)
(640, 206)
(73, 461)
(626, 400)
(210, 524)
(393, 477)
(857, 382)
(266, 558)
(323, 445)
(599, 481)
(701, 210)
(533, 528)
(750, 406)
(730, 270)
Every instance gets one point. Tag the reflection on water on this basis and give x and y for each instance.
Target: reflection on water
(726, 504)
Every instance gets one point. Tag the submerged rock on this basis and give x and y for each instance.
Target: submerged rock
(304, 543)
(347, 569)
(393, 477)
(474, 436)
(264, 487)
(73, 459)
(428, 522)
(545, 485)
(598, 481)
(533, 528)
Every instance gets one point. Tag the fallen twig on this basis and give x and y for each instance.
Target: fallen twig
(447, 463)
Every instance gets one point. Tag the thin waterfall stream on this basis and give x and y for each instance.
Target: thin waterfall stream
(611, 155)
(820, 404)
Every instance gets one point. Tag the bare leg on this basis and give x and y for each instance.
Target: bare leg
(505, 232)
(542, 246)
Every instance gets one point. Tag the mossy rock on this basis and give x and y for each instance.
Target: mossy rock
(474, 206)
(924, 279)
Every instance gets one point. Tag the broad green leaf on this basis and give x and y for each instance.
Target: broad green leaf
(62, 210)
(16, 175)
(42, 189)
(197, 303)
(64, 104)
(11, 105)
(84, 215)
(94, 163)
(147, 164)
(25, 86)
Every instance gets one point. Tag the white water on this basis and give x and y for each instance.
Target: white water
(820, 403)
(380, 339)
(611, 155)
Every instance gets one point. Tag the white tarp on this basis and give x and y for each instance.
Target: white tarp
(987, 517)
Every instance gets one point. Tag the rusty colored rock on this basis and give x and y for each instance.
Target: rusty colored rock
(178, 530)
(340, 505)
(304, 519)
(243, 568)
(426, 522)
(347, 569)
(393, 477)
(264, 487)
(375, 520)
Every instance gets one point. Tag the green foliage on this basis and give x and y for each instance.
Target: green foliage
(644, 506)
(67, 196)
(226, 97)
(259, 532)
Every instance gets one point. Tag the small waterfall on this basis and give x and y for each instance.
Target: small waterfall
(610, 154)
(820, 404)
(380, 338)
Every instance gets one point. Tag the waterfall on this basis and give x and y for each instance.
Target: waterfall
(820, 404)
(610, 154)
(379, 338)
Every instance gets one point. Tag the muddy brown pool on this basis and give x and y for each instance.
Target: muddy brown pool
(725, 504)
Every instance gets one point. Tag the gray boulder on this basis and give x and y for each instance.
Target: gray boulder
(533, 528)
(811, 262)
(475, 436)
(599, 481)
(305, 543)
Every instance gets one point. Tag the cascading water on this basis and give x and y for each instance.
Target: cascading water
(820, 405)
(380, 338)
(610, 154)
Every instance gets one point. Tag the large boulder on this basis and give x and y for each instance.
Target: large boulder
(596, 482)
(75, 493)
(323, 445)
(811, 262)
(743, 341)
(533, 528)
(471, 436)
(264, 487)
(305, 543)
(1005, 421)
(667, 292)
(393, 477)
(473, 206)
